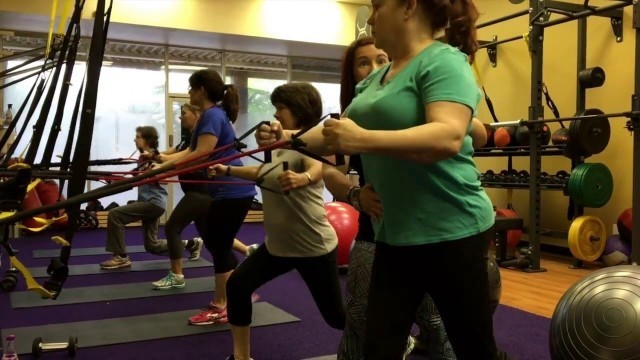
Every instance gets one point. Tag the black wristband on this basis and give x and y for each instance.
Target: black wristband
(350, 194)
(228, 173)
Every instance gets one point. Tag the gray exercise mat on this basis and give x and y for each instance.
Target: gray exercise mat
(91, 269)
(81, 295)
(47, 253)
(138, 328)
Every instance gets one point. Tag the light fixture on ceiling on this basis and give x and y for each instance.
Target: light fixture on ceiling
(184, 67)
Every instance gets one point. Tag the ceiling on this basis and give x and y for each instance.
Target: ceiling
(182, 38)
(359, 2)
(152, 56)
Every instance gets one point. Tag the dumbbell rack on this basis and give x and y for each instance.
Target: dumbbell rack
(539, 11)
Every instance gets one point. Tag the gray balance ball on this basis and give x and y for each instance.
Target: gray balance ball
(599, 317)
(495, 283)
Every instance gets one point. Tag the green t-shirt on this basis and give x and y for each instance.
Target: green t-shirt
(423, 203)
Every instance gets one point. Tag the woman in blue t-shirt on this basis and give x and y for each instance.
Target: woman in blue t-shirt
(192, 207)
(232, 197)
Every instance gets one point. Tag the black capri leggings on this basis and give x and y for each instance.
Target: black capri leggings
(223, 220)
(320, 273)
(193, 206)
(454, 273)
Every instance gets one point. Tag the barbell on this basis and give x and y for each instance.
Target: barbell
(524, 122)
(588, 134)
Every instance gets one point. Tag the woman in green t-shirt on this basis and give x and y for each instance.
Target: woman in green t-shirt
(409, 122)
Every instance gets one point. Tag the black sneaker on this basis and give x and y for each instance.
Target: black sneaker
(256, 205)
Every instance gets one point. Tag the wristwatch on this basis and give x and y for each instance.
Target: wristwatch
(353, 197)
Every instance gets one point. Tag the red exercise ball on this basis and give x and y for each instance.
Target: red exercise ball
(513, 236)
(625, 223)
(344, 219)
(32, 201)
(49, 194)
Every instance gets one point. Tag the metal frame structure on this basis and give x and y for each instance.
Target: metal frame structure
(539, 12)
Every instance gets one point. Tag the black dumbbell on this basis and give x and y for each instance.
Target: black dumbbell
(487, 177)
(9, 280)
(38, 347)
(561, 177)
(523, 177)
(545, 179)
(507, 176)
(515, 176)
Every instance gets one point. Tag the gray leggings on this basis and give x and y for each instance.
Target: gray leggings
(358, 280)
(146, 212)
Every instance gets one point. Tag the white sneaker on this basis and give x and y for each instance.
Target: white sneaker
(169, 282)
(194, 253)
(411, 343)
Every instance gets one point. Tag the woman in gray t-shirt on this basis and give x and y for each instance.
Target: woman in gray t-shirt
(299, 236)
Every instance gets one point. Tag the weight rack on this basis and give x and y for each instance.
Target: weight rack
(539, 12)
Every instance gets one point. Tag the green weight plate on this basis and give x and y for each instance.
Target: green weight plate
(579, 183)
(574, 183)
(596, 185)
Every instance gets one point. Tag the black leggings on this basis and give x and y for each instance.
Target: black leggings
(454, 273)
(223, 220)
(320, 273)
(193, 206)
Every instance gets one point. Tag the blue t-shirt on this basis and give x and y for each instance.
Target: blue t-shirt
(154, 193)
(215, 121)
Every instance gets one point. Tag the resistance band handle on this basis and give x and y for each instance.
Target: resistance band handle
(340, 159)
(285, 168)
(267, 154)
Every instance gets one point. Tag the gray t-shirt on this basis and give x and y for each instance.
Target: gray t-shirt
(296, 224)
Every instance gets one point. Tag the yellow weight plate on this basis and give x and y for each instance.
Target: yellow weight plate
(587, 238)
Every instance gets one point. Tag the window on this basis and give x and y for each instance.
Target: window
(127, 98)
(324, 75)
(255, 82)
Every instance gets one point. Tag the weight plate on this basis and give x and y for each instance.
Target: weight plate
(574, 183)
(592, 186)
(579, 182)
(590, 135)
(587, 238)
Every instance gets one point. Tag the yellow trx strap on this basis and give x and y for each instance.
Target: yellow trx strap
(64, 16)
(52, 20)
(60, 241)
(45, 223)
(32, 284)
(29, 187)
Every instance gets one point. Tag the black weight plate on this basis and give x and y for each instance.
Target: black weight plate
(591, 135)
